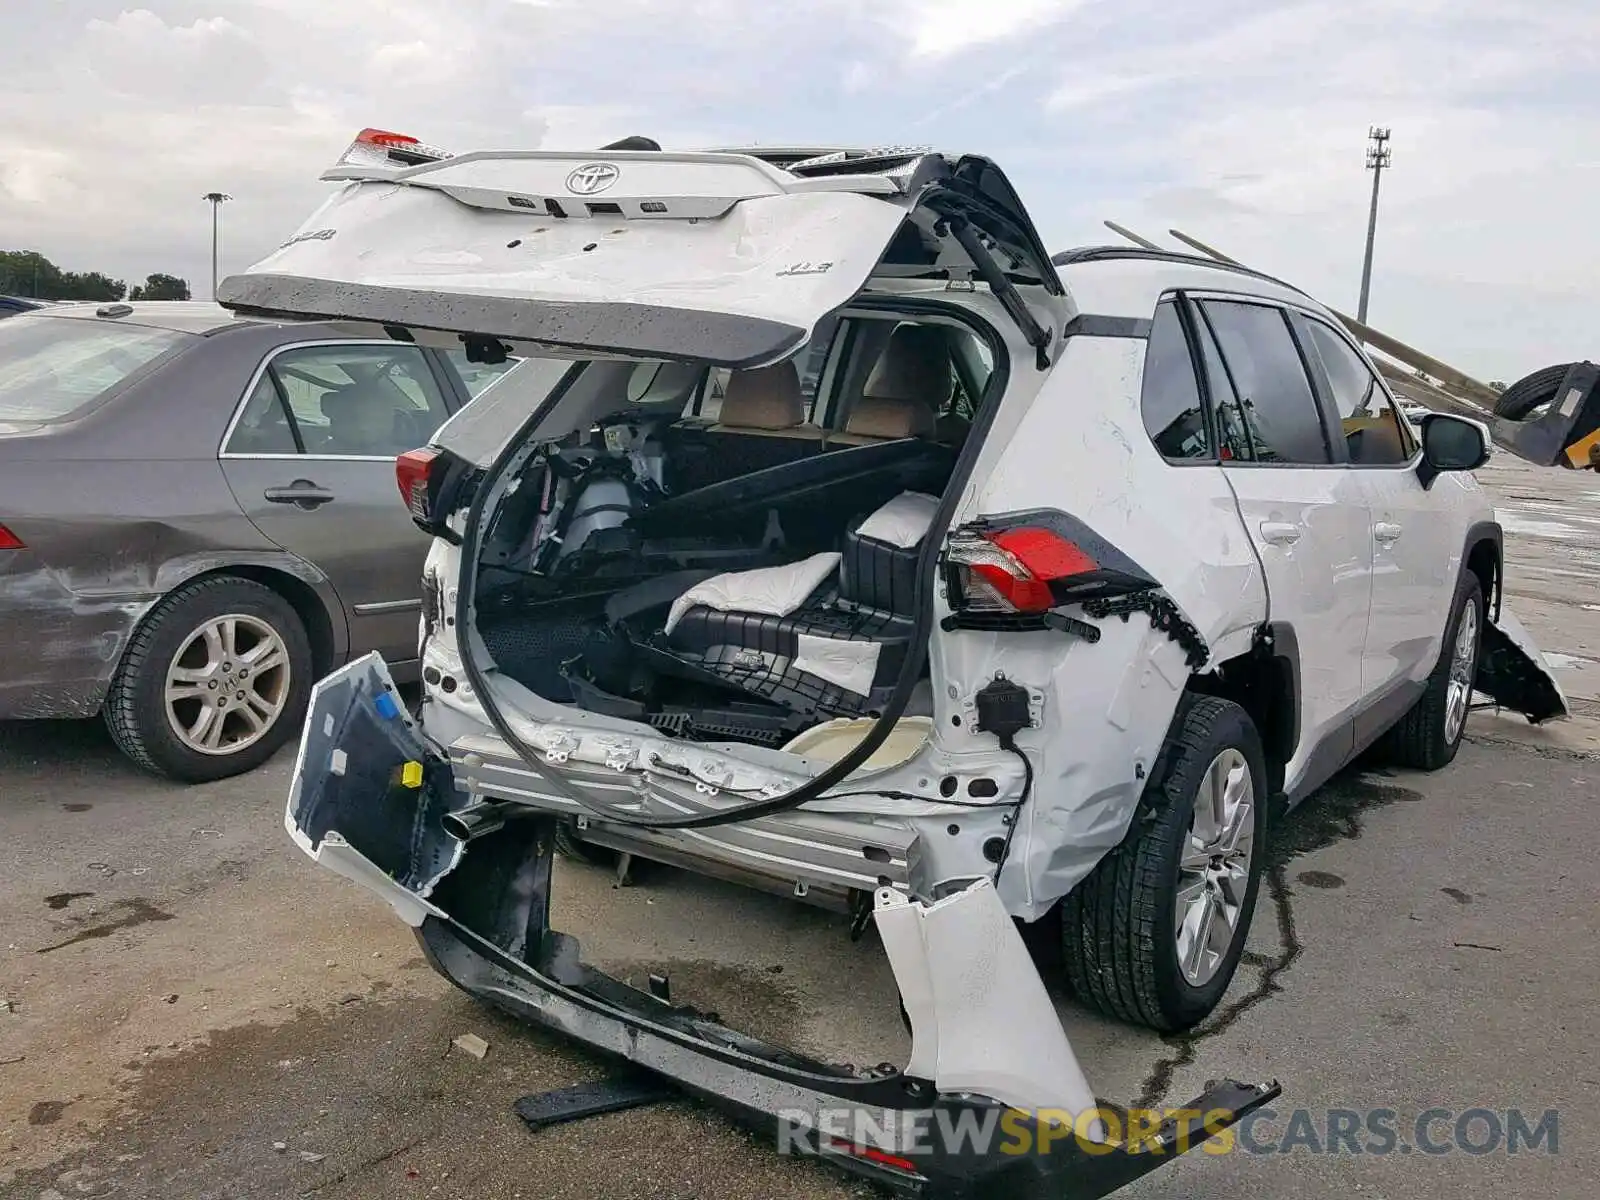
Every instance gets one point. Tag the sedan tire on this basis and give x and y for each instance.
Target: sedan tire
(213, 683)
(1153, 936)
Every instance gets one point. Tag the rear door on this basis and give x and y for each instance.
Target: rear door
(1417, 539)
(310, 459)
(1305, 513)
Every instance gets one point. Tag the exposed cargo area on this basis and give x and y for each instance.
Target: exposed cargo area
(709, 560)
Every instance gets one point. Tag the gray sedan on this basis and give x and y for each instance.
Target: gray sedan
(199, 516)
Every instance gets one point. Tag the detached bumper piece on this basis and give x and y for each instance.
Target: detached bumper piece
(372, 801)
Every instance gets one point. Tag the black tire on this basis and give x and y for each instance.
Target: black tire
(136, 710)
(1119, 926)
(1518, 401)
(570, 845)
(1421, 739)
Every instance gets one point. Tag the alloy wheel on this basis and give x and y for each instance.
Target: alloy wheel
(228, 684)
(1214, 872)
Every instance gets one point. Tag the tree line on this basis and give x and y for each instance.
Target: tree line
(29, 273)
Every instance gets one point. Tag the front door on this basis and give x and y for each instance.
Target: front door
(310, 459)
(1305, 513)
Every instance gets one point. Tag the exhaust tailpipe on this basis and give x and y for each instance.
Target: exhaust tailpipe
(474, 821)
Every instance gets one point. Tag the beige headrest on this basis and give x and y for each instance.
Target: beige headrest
(915, 366)
(891, 419)
(764, 398)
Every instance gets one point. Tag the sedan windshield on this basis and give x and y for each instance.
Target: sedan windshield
(53, 367)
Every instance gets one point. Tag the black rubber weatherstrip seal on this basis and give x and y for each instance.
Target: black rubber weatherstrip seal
(926, 563)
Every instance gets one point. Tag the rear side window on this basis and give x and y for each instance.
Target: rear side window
(1170, 400)
(342, 401)
(1275, 402)
(53, 367)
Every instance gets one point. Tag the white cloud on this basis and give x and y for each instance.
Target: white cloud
(939, 29)
(1241, 123)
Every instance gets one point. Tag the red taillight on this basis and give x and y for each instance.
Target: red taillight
(869, 1154)
(413, 472)
(382, 137)
(9, 540)
(1011, 570)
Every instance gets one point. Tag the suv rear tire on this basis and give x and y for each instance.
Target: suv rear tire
(1429, 735)
(242, 650)
(1123, 938)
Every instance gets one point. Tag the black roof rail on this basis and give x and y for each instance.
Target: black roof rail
(1083, 254)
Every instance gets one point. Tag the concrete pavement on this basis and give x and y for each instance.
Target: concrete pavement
(181, 993)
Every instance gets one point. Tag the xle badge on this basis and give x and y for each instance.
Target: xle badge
(806, 268)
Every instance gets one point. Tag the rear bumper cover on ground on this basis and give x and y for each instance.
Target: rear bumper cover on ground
(367, 801)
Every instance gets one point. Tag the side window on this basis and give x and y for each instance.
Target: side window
(1235, 442)
(478, 376)
(1170, 401)
(263, 426)
(364, 401)
(1275, 401)
(1369, 422)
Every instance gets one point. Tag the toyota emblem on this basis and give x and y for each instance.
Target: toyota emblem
(592, 178)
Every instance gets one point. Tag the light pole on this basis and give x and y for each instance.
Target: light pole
(1377, 162)
(217, 200)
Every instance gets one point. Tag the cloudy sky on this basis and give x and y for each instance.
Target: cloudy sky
(1242, 122)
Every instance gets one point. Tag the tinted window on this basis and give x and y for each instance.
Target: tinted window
(51, 367)
(1230, 417)
(351, 401)
(1276, 403)
(1371, 426)
(1170, 400)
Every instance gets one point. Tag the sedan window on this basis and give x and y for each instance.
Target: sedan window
(342, 401)
(51, 368)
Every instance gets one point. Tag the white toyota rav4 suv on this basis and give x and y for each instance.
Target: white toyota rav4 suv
(837, 539)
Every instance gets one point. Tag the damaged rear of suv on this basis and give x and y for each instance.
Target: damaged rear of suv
(819, 544)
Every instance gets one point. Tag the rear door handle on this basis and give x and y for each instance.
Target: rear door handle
(1386, 532)
(302, 493)
(1280, 533)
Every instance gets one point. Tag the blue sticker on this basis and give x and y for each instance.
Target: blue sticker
(387, 708)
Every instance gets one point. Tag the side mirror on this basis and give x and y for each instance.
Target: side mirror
(1451, 443)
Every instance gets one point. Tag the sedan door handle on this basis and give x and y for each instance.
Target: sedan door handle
(1386, 532)
(302, 492)
(1280, 533)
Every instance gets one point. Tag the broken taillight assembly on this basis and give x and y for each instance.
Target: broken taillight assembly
(435, 483)
(9, 540)
(413, 471)
(1028, 567)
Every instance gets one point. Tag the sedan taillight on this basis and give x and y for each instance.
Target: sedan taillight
(9, 540)
(413, 471)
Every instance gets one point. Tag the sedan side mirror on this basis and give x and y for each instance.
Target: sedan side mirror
(1451, 443)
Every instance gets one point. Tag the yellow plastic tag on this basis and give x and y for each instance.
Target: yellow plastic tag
(411, 775)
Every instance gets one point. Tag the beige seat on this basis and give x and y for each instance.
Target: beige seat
(766, 402)
(908, 386)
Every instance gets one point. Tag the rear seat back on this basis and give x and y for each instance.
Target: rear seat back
(762, 424)
(908, 387)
